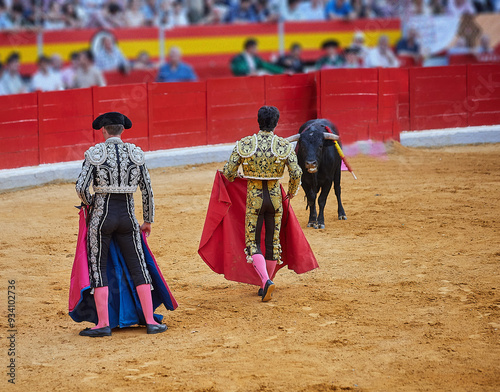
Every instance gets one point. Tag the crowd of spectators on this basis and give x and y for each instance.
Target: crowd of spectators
(61, 14)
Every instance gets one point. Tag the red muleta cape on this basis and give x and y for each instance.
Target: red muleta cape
(222, 243)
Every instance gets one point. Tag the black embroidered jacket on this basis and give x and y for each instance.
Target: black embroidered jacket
(116, 167)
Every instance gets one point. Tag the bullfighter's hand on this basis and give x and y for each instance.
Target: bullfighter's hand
(146, 228)
(289, 196)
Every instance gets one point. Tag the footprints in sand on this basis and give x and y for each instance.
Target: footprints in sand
(317, 316)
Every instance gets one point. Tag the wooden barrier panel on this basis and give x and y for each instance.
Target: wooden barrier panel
(65, 125)
(19, 131)
(363, 103)
(438, 97)
(232, 106)
(129, 99)
(349, 98)
(177, 115)
(483, 94)
(295, 97)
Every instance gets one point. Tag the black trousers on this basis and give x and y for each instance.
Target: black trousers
(113, 217)
(266, 217)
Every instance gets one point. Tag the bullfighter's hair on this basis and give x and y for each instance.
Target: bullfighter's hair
(268, 117)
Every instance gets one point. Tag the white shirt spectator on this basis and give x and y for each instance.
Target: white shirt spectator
(377, 58)
(110, 60)
(11, 84)
(49, 81)
(312, 10)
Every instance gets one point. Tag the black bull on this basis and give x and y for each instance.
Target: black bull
(321, 166)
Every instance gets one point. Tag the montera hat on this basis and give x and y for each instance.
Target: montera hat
(111, 118)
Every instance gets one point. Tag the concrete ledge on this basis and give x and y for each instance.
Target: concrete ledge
(451, 136)
(30, 176)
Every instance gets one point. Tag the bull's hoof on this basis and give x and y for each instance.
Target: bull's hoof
(311, 224)
(342, 217)
(320, 226)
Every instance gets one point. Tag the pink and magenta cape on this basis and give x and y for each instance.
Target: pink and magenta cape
(223, 239)
(124, 305)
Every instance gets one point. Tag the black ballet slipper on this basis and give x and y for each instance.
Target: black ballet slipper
(96, 333)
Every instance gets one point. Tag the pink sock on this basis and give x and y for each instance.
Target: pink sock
(144, 292)
(259, 263)
(101, 304)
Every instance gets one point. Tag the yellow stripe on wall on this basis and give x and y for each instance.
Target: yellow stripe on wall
(199, 46)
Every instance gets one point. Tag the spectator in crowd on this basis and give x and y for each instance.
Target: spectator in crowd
(87, 74)
(133, 15)
(483, 5)
(460, 47)
(339, 9)
(45, 79)
(151, 11)
(109, 57)
(263, 12)
(72, 15)
(420, 8)
(437, 7)
(384, 8)
(382, 55)
(5, 19)
(173, 14)
(21, 15)
(11, 81)
(54, 19)
(293, 12)
(292, 62)
(331, 57)
(352, 59)
(175, 70)
(409, 46)
(460, 7)
(360, 9)
(143, 61)
(242, 13)
(69, 72)
(359, 47)
(312, 10)
(248, 63)
(109, 17)
(213, 13)
(484, 45)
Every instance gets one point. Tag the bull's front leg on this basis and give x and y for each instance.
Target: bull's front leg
(311, 203)
(336, 188)
(325, 190)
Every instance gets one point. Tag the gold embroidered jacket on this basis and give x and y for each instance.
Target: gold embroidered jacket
(263, 157)
(116, 167)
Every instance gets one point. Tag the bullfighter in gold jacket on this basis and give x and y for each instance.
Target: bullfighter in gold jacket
(263, 157)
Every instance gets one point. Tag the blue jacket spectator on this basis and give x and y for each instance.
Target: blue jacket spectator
(244, 13)
(337, 9)
(175, 70)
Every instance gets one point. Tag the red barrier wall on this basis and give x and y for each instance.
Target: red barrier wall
(349, 97)
(19, 131)
(295, 97)
(437, 98)
(483, 88)
(64, 119)
(177, 115)
(364, 104)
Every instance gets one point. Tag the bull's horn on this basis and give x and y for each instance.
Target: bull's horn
(293, 138)
(330, 136)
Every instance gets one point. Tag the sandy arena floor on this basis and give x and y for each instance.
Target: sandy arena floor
(407, 297)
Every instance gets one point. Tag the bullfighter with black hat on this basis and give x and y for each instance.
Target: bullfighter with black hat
(115, 169)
